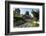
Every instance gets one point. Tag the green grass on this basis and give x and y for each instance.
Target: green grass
(34, 24)
(31, 23)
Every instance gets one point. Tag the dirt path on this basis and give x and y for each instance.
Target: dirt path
(26, 25)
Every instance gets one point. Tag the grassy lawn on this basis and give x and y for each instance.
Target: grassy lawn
(20, 21)
(34, 23)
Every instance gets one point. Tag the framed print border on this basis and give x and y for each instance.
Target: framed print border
(7, 17)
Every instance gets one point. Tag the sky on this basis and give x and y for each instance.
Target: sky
(23, 10)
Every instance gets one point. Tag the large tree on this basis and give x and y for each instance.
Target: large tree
(27, 13)
(17, 10)
(35, 14)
